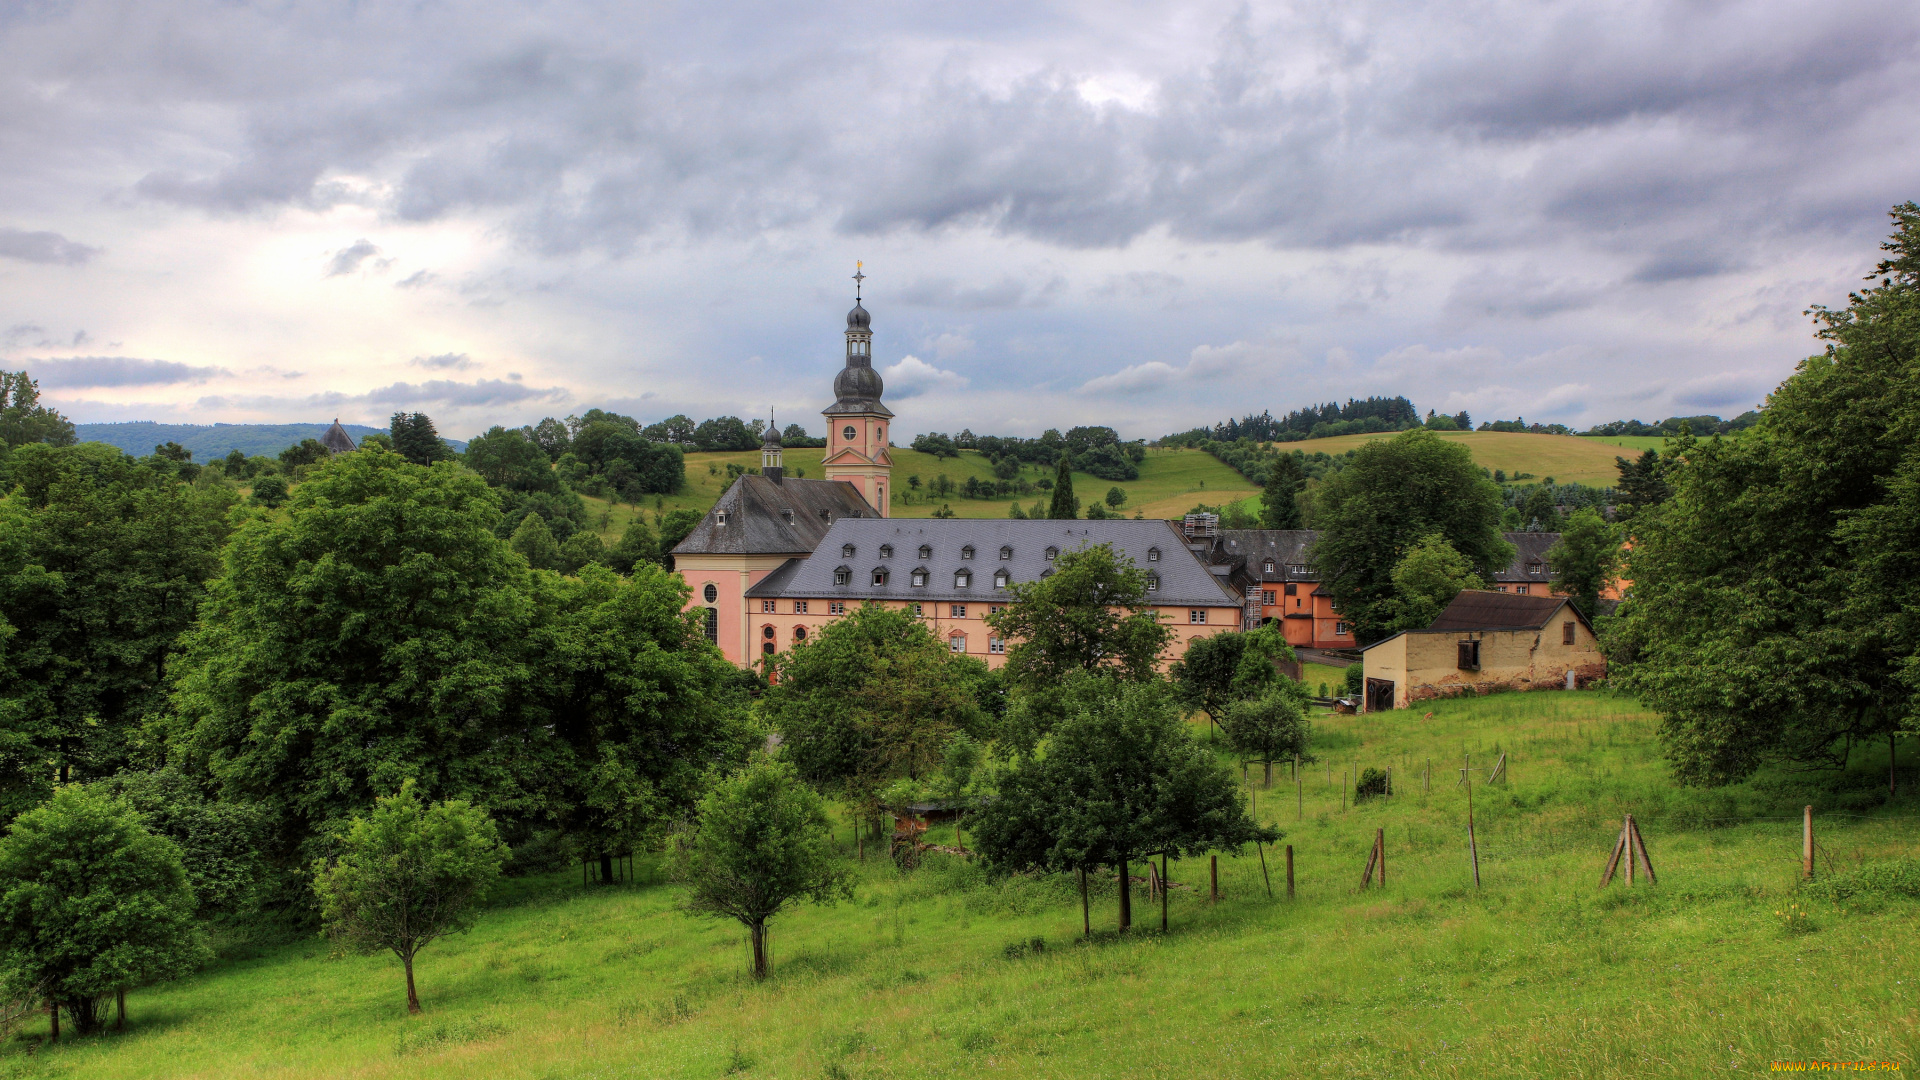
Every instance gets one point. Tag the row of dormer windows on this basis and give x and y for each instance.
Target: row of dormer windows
(962, 579)
(847, 551)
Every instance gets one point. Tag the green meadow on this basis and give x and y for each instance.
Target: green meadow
(941, 971)
(1172, 481)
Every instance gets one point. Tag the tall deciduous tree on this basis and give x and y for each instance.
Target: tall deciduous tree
(1585, 559)
(1772, 613)
(760, 843)
(1064, 505)
(92, 904)
(512, 460)
(534, 542)
(1280, 501)
(1118, 779)
(24, 420)
(873, 698)
(1393, 493)
(103, 563)
(406, 875)
(1090, 614)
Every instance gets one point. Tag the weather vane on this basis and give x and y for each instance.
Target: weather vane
(858, 277)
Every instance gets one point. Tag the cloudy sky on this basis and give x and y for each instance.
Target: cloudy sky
(1144, 215)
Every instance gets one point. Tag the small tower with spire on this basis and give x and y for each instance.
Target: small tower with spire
(856, 421)
(770, 455)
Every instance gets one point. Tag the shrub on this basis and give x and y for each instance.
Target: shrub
(1372, 782)
(1894, 877)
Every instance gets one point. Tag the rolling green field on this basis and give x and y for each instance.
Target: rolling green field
(1536, 973)
(1171, 483)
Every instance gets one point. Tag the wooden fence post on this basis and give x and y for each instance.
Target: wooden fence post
(1214, 871)
(1257, 846)
(1640, 846)
(1086, 909)
(1164, 891)
(1613, 860)
(1299, 796)
(1380, 842)
(1289, 871)
(1806, 846)
(1373, 858)
(1473, 842)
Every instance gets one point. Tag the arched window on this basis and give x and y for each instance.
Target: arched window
(799, 633)
(966, 552)
(1053, 553)
(1153, 582)
(1153, 554)
(1006, 552)
(767, 647)
(879, 575)
(1000, 579)
(919, 577)
(926, 551)
(843, 575)
(846, 551)
(886, 551)
(710, 593)
(957, 643)
(848, 433)
(712, 624)
(962, 579)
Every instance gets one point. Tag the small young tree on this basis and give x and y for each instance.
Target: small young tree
(1116, 781)
(91, 904)
(1064, 506)
(1584, 558)
(1269, 728)
(408, 874)
(759, 844)
(1116, 497)
(270, 491)
(1220, 669)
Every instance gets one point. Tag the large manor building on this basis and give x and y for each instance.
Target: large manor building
(777, 558)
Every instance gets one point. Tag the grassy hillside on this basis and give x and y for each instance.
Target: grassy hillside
(1563, 457)
(1171, 483)
(1535, 974)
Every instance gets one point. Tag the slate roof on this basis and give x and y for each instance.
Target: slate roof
(1475, 609)
(759, 516)
(1530, 551)
(336, 439)
(1285, 548)
(1184, 578)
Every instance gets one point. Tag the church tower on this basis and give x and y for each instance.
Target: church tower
(857, 422)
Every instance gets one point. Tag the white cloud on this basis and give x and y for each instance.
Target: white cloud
(1206, 363)
(913, 376)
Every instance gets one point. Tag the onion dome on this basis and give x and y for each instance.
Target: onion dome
(857, 319)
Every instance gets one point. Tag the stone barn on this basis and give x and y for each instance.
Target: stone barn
(1485, 641)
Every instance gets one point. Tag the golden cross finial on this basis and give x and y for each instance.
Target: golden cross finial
(858, 277)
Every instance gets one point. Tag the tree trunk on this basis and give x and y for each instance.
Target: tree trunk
(413, 998)
(85, 1011)
(120, 1009)
(1126, 897)
(759, 950)
(606, 868)
(1268, 781)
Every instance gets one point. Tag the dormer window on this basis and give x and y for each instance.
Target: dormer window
(826, 515)
(846, 551)
(879, 575)
(1153, 582)
(967, 552)
(1047, 573)
(1153, 555)
(719, 517)
(963, 579)
(1269, 566)
(919, 578)
(843, 575)
(1053, 553)
(786, 514)
(1000, 579)
(1535, 566)
(886, 551)
(926, 551)
(1006, 552)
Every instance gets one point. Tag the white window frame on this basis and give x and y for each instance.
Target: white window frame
(1197, 616)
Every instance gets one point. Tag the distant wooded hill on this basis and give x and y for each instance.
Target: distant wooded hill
(210, 441)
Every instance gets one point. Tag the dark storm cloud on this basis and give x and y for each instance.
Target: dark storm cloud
(102, 371)
(1385, 124)
(43, 247)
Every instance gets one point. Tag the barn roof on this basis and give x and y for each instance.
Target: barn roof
(1475, 609)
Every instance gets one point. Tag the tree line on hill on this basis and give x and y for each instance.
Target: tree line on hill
(1356, 417)
(1098, 451)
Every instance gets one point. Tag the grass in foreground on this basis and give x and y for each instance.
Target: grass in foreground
(934, 973)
